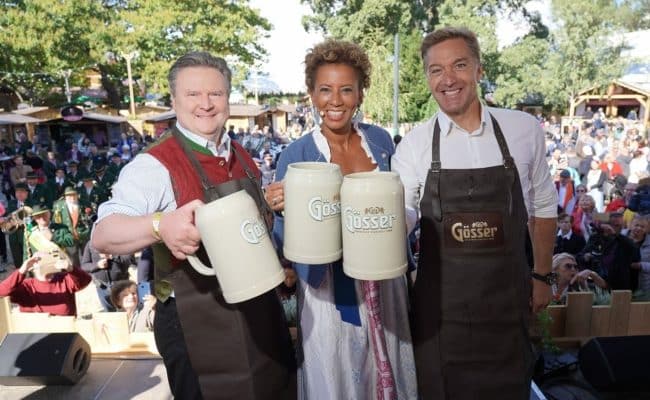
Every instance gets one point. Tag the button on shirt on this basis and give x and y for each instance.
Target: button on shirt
(460, 149)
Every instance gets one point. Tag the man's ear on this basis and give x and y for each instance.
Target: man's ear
(172, 102)
(479, 74)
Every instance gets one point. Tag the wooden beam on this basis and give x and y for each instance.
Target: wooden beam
(619, 317)
(578, 313)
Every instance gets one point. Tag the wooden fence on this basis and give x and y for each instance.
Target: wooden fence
(579, 320)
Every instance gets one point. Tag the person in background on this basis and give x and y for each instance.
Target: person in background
(67, 211)
(611, 254)
(569, 279)
(18, 173)
(567, 241)
(140, 315)
(287, 293)
(105, 270)
(639, 235)
(566, 192)
(51, 290)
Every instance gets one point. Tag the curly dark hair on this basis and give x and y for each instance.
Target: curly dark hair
(334, 51)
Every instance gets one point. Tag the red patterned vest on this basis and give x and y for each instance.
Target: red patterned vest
(187, 186)
(185, 181)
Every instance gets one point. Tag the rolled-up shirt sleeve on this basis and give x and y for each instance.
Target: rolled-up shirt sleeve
(144, 187)
(542, 195)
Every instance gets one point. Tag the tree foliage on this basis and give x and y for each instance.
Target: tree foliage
(41, 38)
(582, 52)
(550, 64)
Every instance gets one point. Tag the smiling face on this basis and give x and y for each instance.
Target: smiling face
(452, 74)
(337, 94)
(200, 100)
(129, 298)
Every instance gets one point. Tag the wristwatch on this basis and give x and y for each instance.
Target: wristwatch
(155, 226)
(549, 279)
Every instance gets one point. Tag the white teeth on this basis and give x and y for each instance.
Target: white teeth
(335, 114)
(451, 92)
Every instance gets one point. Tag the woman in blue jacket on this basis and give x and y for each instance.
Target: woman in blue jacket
(354, 338)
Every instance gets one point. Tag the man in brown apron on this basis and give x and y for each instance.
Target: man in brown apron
(211, 349)
(475, 174)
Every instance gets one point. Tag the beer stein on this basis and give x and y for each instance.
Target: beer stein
(239, 247)
(312, 213)
(373, 226)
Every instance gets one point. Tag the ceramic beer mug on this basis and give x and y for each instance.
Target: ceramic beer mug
(312, 213)
(239, 247)
(373, 225)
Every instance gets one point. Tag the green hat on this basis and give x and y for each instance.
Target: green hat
(69, 191)
(39, 209)
(21, 186)
(32, 175)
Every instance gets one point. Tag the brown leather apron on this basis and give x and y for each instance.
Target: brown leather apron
(470, 299)
(239, 351)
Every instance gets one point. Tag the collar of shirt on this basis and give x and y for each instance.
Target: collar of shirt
(447, 124)
(222, 150)
(324, 148)
(567, 236)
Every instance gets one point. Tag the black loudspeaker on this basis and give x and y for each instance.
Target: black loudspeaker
(619, 363)
(28, 359)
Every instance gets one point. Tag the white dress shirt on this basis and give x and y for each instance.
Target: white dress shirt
(460, 149)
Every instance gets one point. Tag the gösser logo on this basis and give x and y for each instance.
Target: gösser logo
(373, 220)
(478, 231)
(252, 231)
(320, 209)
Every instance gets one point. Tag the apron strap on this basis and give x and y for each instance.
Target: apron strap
(205, 182)
(213, 192)
(508, 161)
(436, 166)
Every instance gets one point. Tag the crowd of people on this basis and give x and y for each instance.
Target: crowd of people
(557, 211)
(51, 193)
(600, 169)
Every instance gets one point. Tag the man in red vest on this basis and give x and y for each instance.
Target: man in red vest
(211, 349)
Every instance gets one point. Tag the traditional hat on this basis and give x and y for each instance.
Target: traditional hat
(565, 173)
(21, 186)
(39, 209)
(69, 190)
(32, 175)
(99, 168)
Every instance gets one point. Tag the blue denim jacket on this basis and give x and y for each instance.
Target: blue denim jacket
(305, 149)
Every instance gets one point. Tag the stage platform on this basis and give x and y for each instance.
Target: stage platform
(106, 379)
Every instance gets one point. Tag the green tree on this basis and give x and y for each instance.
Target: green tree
(584, 51)
(373, 23)
(41, 38)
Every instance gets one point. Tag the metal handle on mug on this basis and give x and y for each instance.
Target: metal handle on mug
(199, 266)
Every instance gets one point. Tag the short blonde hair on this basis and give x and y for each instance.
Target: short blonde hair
(559, 258)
